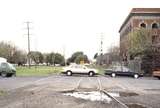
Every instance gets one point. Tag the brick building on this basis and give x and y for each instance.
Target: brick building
(148, 18)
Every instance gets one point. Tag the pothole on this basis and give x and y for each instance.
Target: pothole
(135, 106)
(92, 95)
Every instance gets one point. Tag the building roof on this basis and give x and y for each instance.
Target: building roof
(140, 11)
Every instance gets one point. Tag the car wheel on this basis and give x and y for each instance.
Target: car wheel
(69, 73)
(113, 75)
(3, 74)
(13, 75)
(136, 76)
(91, 74)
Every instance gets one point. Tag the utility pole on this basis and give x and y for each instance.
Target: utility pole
(64, 49)
(101, 48)
(28, 34)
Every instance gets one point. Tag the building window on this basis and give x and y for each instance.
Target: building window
(143, 25)
(154, 26)
(155, 39)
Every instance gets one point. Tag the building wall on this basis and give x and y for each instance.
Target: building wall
(133, 23)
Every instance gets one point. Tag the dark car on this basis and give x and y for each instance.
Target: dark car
(121, 71)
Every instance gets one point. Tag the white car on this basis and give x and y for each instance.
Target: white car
(79, 69)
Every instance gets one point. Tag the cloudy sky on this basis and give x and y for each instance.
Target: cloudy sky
(66, 26)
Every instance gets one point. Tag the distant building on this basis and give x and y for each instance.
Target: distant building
(148, 18)
(103, 59)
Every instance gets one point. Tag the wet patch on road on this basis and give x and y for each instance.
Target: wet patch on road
(91, 95)
(127, 94)
(135, 106)
(152, 89)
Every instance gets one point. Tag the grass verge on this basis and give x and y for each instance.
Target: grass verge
(37, 70)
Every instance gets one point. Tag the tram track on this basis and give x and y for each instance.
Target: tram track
(101, 90)
(106, 93)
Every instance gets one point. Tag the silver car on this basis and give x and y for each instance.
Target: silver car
(79, 69)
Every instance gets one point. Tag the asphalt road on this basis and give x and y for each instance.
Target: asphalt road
(30, 92)
(11, 83)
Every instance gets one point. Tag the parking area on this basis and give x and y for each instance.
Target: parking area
(50, 92)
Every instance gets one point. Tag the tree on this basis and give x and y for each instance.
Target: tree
(95, 56)
(54, 58)
(12, 53)
(51, 58)
(36, 56)
(19, 57)
(77, 57)
(46, 58)
(140, 42)
(59, 59)
(81, 58)
(140, 45)
(6, 50)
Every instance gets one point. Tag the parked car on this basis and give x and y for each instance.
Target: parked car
(156, 73)
(79, 69)
(7, 69)
(121, 71)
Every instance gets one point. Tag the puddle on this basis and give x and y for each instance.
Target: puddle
(126, 94)
(152, 89)
(92, 96)
(135, 106)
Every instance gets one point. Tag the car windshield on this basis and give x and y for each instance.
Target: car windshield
(120, 68)
(11, 66)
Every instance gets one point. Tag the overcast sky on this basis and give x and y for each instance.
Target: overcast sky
(66, 25)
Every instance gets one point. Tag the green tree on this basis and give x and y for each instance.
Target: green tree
(140, 42)
(77, 57)
(46, 58)
(51, 58)
(19, 57)
(95, 56)
(81, 58)
(36, 56)
(140, 45)
(59, 59)
(54, 58)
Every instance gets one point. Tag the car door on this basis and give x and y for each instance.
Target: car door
(84, 69)
(126, 71)
(80, 69)
(0, 68)
(74, 69)
(118, 70)
(5, 67)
